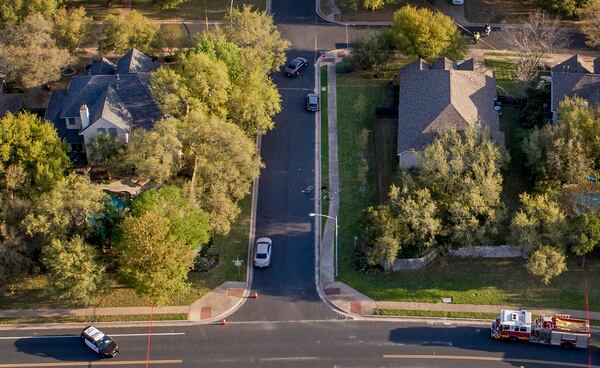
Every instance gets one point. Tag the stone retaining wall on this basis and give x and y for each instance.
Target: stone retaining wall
(497, 251)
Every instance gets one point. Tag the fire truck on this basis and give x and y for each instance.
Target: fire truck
(557, 329)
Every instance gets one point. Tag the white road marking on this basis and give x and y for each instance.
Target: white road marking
(92, 364)
(286, 359)
(73, 336)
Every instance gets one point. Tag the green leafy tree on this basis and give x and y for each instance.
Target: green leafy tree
(426, 34)
(418, 213)
(153, 261)
(218, 48)
(14, 11)
(30, 52)
(372, 53)
(71, 27)
(15, 255)
(380, 235)
(566, 153)
(547, 262)
(153, 154)
(34, 146)
(197, 82)
(591, 25)
(73, 269)
(255, 32)
(534, 114)
(187, 223)
(463, 174)
(223, 162)
(104, 150)
(121, 34)
(373, 5)
(61, 213)
(172, 37)
(569, 8)
(585, 234)
(540, 221)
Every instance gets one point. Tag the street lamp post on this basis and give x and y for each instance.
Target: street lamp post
(336, 237)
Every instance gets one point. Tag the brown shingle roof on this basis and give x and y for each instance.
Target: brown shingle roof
(571, 78)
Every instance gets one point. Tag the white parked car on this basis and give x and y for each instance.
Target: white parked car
(262, 254)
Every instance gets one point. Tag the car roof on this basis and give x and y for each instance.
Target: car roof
(312, 97)
(94, 333)
(300, 58)
(262, 247)
(263, 240)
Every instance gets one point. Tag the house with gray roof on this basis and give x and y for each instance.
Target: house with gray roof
(9, 102)
(573, 78)
(441, 95)
(112, 98)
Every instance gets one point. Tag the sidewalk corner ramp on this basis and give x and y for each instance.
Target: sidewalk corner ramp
(218, 303)
(349, 300)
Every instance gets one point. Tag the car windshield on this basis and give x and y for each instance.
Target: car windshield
(261, 255)
(104, 342)
(294, 63)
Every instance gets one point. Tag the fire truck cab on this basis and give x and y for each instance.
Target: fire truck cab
(512, 325)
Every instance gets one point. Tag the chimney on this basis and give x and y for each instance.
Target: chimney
(84, 114)
(597, 65)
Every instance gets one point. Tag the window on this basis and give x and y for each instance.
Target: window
(506, 327)
(523, 329)
(76, 147)
(70, 121)
(112, 132)
(101, 131)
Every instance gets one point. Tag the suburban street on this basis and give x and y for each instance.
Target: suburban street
(289, 325)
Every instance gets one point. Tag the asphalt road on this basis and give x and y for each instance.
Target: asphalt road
(289, 344)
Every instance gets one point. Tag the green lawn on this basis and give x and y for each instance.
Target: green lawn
(483, 281)
(505, 77)
(358, 95)
(497, 11)
(384, 14)
(35, 292)
(92, 319)
(191, 9)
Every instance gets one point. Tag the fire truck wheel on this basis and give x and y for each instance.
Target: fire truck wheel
(567, 345)
(513, 339)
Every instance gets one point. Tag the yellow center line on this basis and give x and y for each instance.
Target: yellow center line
(486, 359)
(91, 364)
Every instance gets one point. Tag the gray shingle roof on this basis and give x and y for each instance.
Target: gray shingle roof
(53, 114)
(136, 62)
(101, 67)
(570, 78)
(432, 99)
(10, 102)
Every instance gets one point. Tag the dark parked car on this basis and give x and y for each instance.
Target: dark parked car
(99, 342)
(295, 66)
(312, 102)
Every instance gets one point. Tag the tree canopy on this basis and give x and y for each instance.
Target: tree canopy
(30, 52)
(71, 27)
(426, 34)
(547, 262)
(569, 8)
(591, 24)
(73, 269)
(150, 259)
(15, 11)
(187, 223)
(33, 145)
(121, 34)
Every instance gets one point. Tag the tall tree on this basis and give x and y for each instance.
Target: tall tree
(33, 145)
(121, 34)
(30, 53)
(172, 37)
(71, 27)
(255, 32)
(426, 34)
(104, 150)
(14, 11)
(223, 162)
(196, 82)
(62, 212)
(591, 25)
(547, 262)
(537, 36)
(155, 154)
(380, 240)
(569, 8)
(73, 269)
(585, 234)
(155, 263)
(187, 223)
(372, 53)
(463, 173)
(539, 221)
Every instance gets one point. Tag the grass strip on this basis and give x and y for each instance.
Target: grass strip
(324, 142)
(86, 319)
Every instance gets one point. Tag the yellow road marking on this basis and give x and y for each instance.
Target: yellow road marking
(486, 359)
(91, 364)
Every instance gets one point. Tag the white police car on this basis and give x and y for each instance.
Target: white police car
(99, 342)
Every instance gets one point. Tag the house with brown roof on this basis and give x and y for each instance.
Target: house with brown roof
(441, 95)
(573, 78)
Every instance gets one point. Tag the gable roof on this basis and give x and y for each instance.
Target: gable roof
(53, 114)
(135, 62)
(571, 78)
(440, 95)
